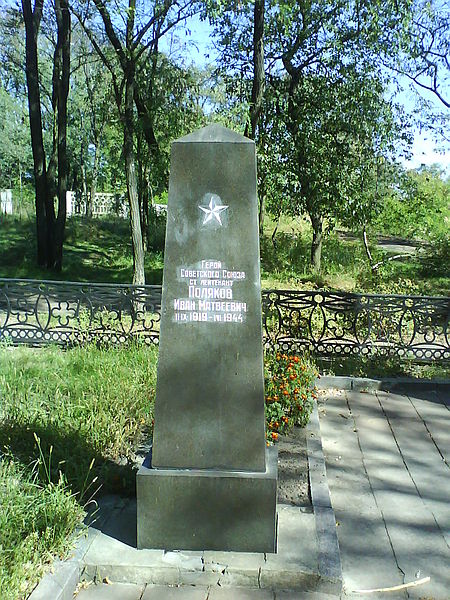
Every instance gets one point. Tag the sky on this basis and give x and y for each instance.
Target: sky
(424, 149)
(424, 153)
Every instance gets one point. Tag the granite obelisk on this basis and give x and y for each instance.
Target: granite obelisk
(212, 481)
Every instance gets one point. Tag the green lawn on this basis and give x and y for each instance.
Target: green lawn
(100, 251)
(69, 425)
(345, 265)
(97, 250)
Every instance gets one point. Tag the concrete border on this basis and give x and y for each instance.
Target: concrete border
(61, 581)
(385, 384)
(330, 568)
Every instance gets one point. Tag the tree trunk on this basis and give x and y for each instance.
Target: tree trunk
(84, 191)
(316, 246)
(63, 21)
(258, 69)
(50, 230)
(93, 191)
(366, 245)
(32, 23)
(132, 186)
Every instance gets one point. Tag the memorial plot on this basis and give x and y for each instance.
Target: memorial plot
(212, 482)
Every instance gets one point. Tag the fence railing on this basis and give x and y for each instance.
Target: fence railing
(42, 312)
(323, 323)
(343, 324)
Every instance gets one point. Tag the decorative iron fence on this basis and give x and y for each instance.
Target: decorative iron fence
(66, 313)
(323, 323)
(342, 324)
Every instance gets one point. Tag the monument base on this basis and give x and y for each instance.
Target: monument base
(186, 509)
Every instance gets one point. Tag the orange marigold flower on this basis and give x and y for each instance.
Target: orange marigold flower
(275, 398)
(274, 435)
(295, 359)
(285, 419)
(292, 377)
(285, 392)
(303, 396)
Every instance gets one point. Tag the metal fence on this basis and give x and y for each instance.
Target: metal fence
(343, 324)
(323, 323)
(66, 313)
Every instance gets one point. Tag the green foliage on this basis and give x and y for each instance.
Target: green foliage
(436, 258)
(15, 149)
(345, 265)
(330, 143)
(289, 393)
(37, 522)
(76, 417)
(92, 403)
(419, 206)
(378, 367)
(156, 231)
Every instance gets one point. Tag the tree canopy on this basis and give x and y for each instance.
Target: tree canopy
(92, 94)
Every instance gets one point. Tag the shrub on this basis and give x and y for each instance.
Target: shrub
(290, 392)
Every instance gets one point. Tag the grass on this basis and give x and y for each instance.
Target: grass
(382, 367)
(37, 522)
(99, 250)
(86, 403)
(69, 424)
(345, 266)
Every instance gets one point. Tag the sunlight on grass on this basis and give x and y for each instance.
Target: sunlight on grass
(37, 522)
(99, 250)
(70, 422)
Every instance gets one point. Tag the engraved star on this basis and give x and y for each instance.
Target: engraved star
(213, 212)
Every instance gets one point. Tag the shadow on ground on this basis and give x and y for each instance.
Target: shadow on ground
(84, 467)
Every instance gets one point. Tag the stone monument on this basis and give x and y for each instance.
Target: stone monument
(210, 483)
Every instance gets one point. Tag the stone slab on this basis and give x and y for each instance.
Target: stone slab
(210, 367)
(329, 559)
(240, 593)
(290, 595)
(405, 541)
(435, 415)
(421, 456)
(366, 552)
(113, 591)
(208, 510)
(186, 592)
(59, 585)
(294, 565)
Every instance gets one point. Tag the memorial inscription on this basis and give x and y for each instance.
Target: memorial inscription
(212, 482)
(210, 295)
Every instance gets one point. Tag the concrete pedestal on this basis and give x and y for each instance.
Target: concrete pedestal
(188, 509)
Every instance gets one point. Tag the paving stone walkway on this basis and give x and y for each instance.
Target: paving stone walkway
(387, 459)
(388, 469)
(123, 591)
